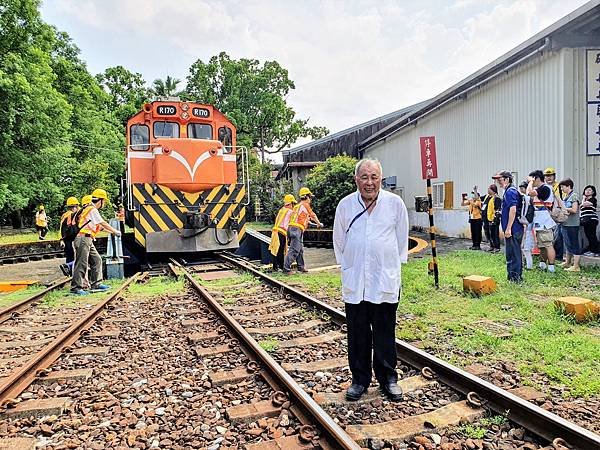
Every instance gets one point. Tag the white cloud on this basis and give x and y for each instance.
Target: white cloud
(350, 61)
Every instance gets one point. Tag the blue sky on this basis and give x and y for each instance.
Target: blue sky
(351, 60)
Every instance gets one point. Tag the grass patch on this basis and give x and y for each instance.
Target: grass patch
(16, 296)
(542, 340)
(232, 287)
(493, 420)
(62, 298)
(269, 344)
(259, 225)
(27, 236)
(156, 286)
(546, 342)
(472, 431)
(319, 284)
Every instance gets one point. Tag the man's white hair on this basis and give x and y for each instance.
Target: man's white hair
(367, 160)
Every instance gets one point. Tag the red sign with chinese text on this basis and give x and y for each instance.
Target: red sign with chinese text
(428, 158)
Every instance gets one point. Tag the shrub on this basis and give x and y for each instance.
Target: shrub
(330, 182)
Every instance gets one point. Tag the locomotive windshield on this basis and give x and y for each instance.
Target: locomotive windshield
(166, 130)
(199, 131)
(140, 137)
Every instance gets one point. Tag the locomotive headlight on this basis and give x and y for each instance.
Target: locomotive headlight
(185, 115)
(185, 106)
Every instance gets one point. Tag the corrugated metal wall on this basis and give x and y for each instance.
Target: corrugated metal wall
(516, 122)
(584, 169)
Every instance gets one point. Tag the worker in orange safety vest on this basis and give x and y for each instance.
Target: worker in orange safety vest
(90, 223)
(278, 244)
(301, 216)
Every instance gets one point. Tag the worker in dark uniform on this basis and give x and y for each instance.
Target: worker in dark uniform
(66, 242)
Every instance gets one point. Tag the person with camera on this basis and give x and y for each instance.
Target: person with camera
(543, 223)
(492, 216)
(475, 217)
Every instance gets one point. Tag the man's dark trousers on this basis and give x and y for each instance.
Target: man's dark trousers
(372, 332)
(514, 257)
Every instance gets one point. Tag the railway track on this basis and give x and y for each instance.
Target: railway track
(464, 397)
(251, 363)
(38, 256)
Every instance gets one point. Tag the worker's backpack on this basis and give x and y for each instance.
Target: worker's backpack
(72, 229)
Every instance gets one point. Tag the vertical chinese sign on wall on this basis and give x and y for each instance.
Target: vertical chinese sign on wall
(428, 158)
(593, 102)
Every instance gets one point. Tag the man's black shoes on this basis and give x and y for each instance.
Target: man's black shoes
(391, 391)
(355, 392)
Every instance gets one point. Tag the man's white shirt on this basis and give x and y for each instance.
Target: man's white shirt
(372, 251)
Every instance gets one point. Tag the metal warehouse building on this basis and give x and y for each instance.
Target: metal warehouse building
(536, 106)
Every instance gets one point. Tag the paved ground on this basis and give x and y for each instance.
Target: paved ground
(43, 271)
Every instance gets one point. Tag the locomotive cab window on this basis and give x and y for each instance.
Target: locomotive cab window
(199, 131)
(225, 136)
(139, 137)
(166, 129)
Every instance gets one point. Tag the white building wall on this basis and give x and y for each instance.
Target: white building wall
(581, 168)
(516, 122)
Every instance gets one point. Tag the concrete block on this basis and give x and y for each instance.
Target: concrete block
(581, 308)
(479, 285)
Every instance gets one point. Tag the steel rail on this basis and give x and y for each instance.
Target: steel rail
(541, 422)
(335, 435)
(17, 382)
(29, 256)
(8, 312)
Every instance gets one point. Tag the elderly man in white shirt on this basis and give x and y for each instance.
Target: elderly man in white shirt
(370, 239)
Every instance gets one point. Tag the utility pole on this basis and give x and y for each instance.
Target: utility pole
(262, 144)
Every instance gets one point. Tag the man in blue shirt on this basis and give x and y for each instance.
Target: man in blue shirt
(513, 229)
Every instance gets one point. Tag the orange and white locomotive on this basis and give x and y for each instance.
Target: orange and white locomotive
(183, 191)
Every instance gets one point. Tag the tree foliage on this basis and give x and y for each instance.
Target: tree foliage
(262, 187)
(56, 121)
(254, 97)
(62, 129)
(127, 91)
(330, 182)
(166, 87)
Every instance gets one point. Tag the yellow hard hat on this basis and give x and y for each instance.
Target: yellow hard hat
(41, 207)
(304, 192)
(86, 200)
(100, 193)
(550, 171)
(72, 201)
(289, 198)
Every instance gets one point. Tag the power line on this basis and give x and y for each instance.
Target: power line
(77, 144)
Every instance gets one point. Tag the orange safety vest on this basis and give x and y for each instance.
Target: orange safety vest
(301, 215)
(282, 220)
(83, 218)
(66, 216)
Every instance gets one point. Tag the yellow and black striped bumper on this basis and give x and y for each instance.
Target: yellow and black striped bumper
(158, 208)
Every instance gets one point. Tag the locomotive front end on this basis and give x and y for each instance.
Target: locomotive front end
(183, 190)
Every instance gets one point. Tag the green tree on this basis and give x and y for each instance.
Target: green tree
(56, 125)
(254, 97)
(262, 186)
(127, 91)
(330, 182)
(34, 112)
(166, 87)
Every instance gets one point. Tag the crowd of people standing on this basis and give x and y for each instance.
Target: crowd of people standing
(541, 213)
